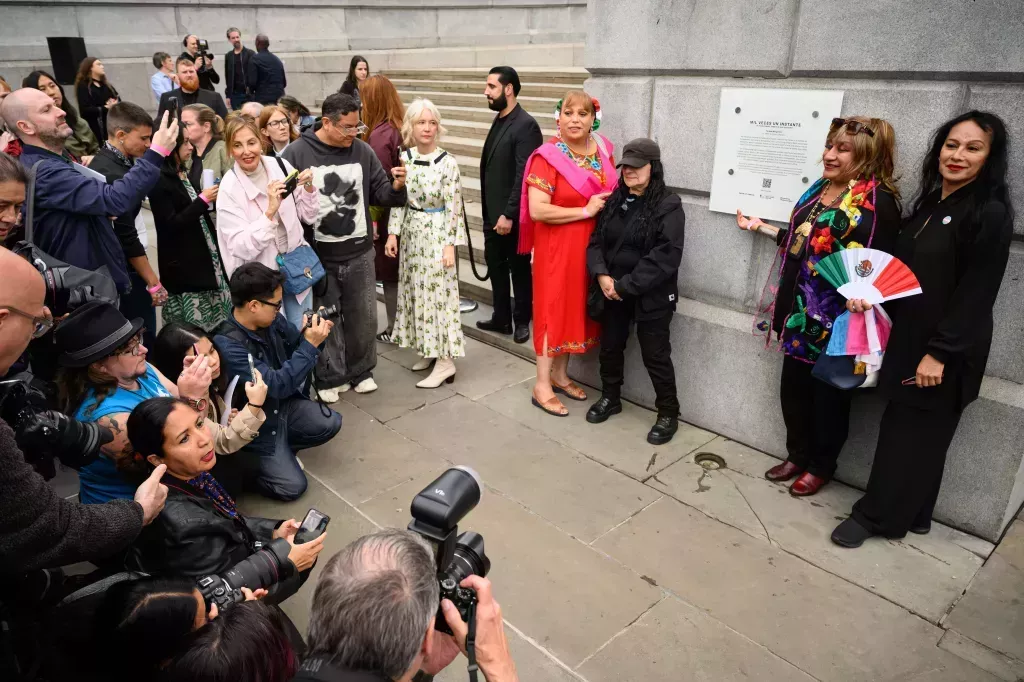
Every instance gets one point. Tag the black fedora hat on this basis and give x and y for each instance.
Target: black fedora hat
(92, 332)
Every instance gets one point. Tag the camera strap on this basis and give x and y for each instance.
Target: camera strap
(471, 642)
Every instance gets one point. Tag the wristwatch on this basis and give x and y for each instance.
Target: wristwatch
(198, 405)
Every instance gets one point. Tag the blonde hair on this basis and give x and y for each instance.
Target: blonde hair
(236, 124)
(874, 155)
(205, 114)
(412, 113)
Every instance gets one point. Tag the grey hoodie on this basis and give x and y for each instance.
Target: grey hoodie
(348, 179)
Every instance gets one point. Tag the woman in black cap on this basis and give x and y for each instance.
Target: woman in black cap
(633, 256)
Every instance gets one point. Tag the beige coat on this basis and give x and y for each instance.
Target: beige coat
(241, 431)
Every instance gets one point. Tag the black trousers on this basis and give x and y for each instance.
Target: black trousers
(655, 348)
(817, 419)
(503, 261)
(907, 472)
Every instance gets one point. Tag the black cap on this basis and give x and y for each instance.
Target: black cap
(639, 152)
(92, 332)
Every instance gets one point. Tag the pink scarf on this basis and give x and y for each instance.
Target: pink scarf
(581, 180)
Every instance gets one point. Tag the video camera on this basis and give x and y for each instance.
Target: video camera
(42, 433)
(436, 512)
(204, 48)
(260, 570)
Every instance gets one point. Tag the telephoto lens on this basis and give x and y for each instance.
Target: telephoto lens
(263, 569)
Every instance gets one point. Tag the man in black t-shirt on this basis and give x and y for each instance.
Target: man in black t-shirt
(236, 93)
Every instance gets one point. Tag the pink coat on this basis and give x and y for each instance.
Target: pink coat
(244, 233)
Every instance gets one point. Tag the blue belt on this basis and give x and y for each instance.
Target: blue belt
(427, 210)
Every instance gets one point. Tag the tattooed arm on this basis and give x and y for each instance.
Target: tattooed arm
(119, 448)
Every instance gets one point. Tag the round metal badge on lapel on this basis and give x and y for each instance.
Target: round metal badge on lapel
(947, 220)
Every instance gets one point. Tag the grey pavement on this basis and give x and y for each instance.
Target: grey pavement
(614, 559)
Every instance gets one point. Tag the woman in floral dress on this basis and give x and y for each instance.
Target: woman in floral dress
(431, 225)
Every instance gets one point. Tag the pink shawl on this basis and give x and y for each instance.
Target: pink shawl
(583, 181)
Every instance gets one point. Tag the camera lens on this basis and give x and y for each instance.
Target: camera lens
(470, 558)
(258, 571)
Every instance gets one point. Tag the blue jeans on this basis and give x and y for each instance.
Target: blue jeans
(302, 425)
(293, 309)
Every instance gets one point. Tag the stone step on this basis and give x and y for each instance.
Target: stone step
(471, 287)
(477, 237)
(463, 146)
(469, 166)
(569, 77)
(534, 105)
(481, 114)
(471, 189)
(476, 87)
(479, 129)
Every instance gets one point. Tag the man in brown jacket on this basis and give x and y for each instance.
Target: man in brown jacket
(38, 528)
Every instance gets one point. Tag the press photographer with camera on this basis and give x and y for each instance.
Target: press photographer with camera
(399, 605)
(257, 333)
(37, 527)
(198, 52)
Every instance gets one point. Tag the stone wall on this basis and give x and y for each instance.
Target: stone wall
(312, 36)
(658, 68)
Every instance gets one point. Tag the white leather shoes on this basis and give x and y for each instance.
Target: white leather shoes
(423, 364)
(328, 395)
(444, 373)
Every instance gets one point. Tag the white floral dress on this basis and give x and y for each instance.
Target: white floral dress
(428, 318)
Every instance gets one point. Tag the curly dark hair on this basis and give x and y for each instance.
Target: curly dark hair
(644, 228)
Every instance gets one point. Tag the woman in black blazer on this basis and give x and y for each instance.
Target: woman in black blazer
(95, 95)
(190, 266)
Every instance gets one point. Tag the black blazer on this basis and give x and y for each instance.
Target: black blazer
(200, 96)
(265, 77)
(182, 253)
(106, 163)
(92, 105)
(502, 164)
(229, 70)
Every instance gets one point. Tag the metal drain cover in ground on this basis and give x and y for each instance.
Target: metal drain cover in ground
(709, 461)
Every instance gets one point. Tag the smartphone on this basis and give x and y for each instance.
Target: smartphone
(291, 182)
(313, 526)
(172, 109)
(252, 369)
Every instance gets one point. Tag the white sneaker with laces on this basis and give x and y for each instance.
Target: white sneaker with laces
(366, 386)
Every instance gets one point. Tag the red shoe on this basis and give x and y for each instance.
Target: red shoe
(783, 472)
(808, 484)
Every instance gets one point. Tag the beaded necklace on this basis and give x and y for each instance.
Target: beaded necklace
(593, 161)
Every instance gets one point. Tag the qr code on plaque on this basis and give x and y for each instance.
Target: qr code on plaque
(766, 183)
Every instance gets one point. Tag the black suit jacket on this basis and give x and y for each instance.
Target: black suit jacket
(503, 163)
(229, 71)
(265, 77)
(207, 97)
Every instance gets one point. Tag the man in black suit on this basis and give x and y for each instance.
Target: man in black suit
(514, 135)
(265, 74)
(189, 92)
(236, 63)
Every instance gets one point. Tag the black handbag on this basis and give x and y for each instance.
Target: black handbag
(595, 295)
(838, 371)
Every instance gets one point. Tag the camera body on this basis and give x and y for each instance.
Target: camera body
(204, 48)
(326, 312)
(67, 286)
(436, 511)
(260, 570)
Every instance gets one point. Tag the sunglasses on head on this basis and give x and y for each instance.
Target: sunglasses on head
(852, 127)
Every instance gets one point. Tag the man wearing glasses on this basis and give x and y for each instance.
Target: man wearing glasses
(104, 376)
(348, 177)
(285, 359)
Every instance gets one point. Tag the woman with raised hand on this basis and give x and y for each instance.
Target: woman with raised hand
(431, 226)
(957, 242)
(854, 204)
(567, 181)
(95, 95)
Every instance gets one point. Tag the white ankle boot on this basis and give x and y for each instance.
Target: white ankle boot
(444, 373)
(423, 364)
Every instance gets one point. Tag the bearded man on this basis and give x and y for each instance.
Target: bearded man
(189, 92)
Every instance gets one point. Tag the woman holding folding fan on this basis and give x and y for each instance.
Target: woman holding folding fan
(957, 243)
(854, 204)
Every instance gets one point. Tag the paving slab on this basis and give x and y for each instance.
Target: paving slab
(397, 393)
(564, 595)
(532, 664)
(991, 612)
(483, 371)
(994, 662)
(367, 457)
(347, 524)
(924, 574)
(620, 443)
(819, 622)
(676, 641)
(580, 496)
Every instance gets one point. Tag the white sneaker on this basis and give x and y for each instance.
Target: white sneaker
(343, 388)
(366, 386)
(330, 395)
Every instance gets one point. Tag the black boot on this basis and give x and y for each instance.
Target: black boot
(492, 326)
(850, 534)
(663, 430)
(602, 409)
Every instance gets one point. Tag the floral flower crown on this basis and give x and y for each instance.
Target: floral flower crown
(597, 112)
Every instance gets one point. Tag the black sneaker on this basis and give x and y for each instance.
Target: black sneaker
(850, 534)
(602, 409)
(663, 430)
(921, 528)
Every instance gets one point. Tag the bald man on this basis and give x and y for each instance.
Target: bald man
(73, 211)
(38, 528)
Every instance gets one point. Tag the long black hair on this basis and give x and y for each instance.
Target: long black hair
(644, 228)
(172, 345)
(351, 80)
(70, 113)
(146, 433)
(991, 183)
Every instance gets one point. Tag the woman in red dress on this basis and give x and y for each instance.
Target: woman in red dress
(567, 181)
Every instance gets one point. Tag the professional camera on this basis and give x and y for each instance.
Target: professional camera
(328, 312)
(42, 433)
(436, 512)
(67, 286)
(261, 570)
(204, 48)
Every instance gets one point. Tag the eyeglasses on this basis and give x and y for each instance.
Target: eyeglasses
(275, 306)
(40, 325)
(280, 123)
(134, 346)
(852, 127)
(357, 130)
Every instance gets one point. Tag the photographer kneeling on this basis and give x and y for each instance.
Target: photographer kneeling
(200, 532)
(374, 613)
